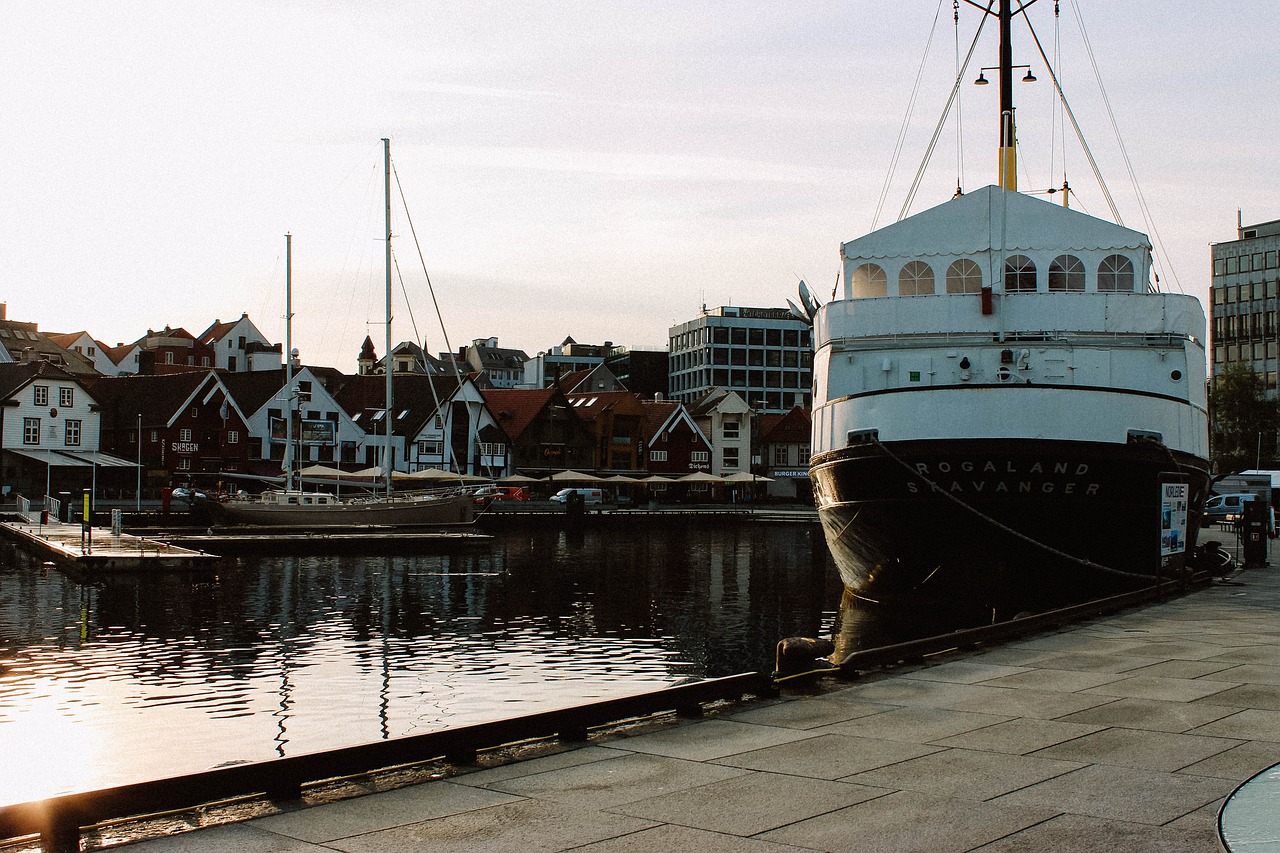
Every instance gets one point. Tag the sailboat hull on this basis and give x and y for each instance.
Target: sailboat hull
(429, 511)
(1011, 524)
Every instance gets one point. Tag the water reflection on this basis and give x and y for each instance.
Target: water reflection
(133, 677)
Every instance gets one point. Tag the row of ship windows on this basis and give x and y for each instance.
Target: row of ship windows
(1253, 262)
(1066, 274)
(1244, 292)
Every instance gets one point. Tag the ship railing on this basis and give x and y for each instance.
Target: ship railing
(59, 819)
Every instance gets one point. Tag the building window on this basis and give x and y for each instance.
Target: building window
(168, 358)
(731, 457)
(870, 280)
(72, 433)
(1115, 274)
(915, 279)
(780, 454)
(700, 456)
(184, 435)
(804, 454)
(657, 456)
(1219, 266)
(731, 429)
(964, 276)
(184, 463)
(30, 430)
(1066, 273)
(1019, 274)
(155, 436)
(429, 448)
(233, 436)
(66, 397)
(42, 395)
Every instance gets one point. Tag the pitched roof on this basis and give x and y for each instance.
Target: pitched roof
(217, 331)
(413, 398)
(253, 389)
(13, 375)
(793, 426)
(515, 408)
(156, 396)
(988, 219)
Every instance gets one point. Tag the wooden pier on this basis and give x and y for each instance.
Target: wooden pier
(98, 549)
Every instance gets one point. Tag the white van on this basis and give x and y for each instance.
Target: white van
(590, 497)
(1226, 507)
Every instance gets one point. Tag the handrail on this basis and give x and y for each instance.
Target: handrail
(24, 510)
(54, 506)
(58, 819)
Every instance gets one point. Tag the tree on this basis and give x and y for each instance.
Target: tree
(1242, 421)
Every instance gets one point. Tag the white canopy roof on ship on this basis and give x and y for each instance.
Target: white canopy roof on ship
(974, 223)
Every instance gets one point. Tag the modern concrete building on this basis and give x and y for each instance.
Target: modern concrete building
(765, 355)
(1245, 302)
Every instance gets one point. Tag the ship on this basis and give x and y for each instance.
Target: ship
(1007, 408)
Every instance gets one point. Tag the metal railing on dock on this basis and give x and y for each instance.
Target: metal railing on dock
(58, 820)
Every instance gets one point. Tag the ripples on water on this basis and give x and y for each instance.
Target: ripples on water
(130, 677)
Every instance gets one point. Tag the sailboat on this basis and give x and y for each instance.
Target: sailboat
(291, 507)
(1006, 409)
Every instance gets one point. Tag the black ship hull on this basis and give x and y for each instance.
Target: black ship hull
(1005, 525)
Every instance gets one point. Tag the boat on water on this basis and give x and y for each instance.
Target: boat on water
(292, 507)
(1006, 408)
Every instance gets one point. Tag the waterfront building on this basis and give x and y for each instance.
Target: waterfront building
(549, 367)
(179, 426)
(641, 371)
(1245, 303)
(616, 419)
(406, 357)
(239, 347)
(49, 431)
(784, 448)
(765, 355)
(725, 418)
(544, 435)
(674, 444)
(24, 343)
(503, 368)
(172, 351)
(598, 378)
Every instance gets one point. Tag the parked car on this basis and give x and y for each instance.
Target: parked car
(1226, 507)
(590, 497)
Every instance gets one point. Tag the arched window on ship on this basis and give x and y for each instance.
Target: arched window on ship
(964, 276)
(1066, 273)
(870, 280)
(915, 279)
(1019, 274)
(1115, 274)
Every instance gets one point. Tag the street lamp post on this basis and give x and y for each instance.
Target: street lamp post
(139, 508)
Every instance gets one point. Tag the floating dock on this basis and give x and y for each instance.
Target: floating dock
(371, 540)
(98, 549)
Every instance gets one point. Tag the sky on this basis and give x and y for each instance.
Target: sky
(597, 169)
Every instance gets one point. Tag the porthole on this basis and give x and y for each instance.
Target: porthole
(1175, 375)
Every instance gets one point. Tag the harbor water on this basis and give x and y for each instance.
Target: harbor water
(118, 678)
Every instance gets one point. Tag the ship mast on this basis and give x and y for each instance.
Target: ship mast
(1008, 169)
(288, 363)
(386, 438)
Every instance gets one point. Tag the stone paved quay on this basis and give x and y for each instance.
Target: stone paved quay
(1125, 732)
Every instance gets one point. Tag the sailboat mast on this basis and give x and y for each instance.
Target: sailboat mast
(288, 362)
(386, 445)
(1008, 171)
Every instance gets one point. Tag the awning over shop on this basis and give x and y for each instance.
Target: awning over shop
(97, 457)
(51, 458)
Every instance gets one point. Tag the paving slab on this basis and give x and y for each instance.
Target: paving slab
(229, 838)
(808, 712)
(1268, 655)
(1120, 793)
(1261, 696)
(1095, 662)
(1248, 673)
(1151, 714)
(668, 837)
(964, 672)
(602, 784)
(516, 827)
(914, 725)
(1183, 668)
(1177, 650)
(965, 774)
(1134, 748)
(380, 811)
(708, 739)
(1081, 834)
(1055, 680)
(909, 822)
(570, 757)
(751, 804)
(1019, 736)
(1168, 689)
(1239, 763)
(1250, 724)
(828, 756)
